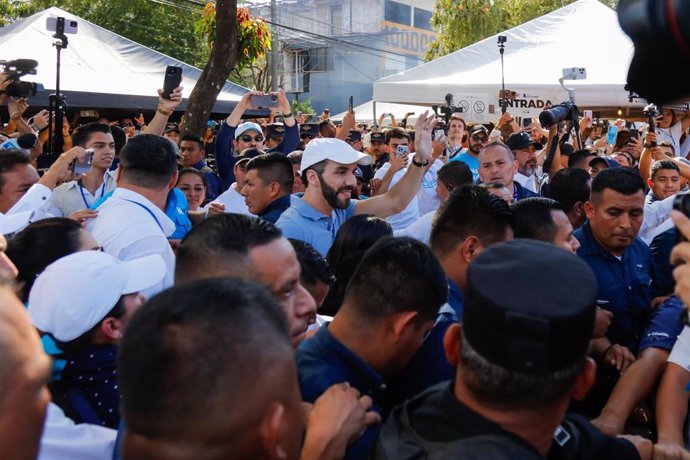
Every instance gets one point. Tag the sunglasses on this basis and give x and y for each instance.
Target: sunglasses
(479, 138)
(248, 138)
(306, 136)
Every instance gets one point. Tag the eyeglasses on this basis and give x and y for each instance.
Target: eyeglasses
(248, 138)
(479, 138)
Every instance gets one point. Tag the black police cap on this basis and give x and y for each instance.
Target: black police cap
(275, 130)
(311, 129)
(529, 306)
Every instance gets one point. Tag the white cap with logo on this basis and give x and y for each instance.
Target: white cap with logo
(327, 148)
(74, 293)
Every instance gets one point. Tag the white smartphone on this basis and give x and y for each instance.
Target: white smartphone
(588, 114)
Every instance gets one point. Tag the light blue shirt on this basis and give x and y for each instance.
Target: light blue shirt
(470, 161)
(302, 222)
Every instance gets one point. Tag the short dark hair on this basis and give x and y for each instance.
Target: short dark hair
(396, 133)
(82, 134)
(173, 363)
(354, 238)
(313, 264)
(667, 144)
(10, 159)
(532, 219)
(319, 167)
(39, 245)
(148, 160)
(397, 274)
(469, 210)
(663, 164)
(295, 157)
(274, 167)
(625, 181)
(85, 340)
(579, 156)
(455, 174)
(195, 139)
(569, 186)
(221, 244)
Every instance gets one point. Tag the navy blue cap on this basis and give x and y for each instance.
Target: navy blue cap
(529, 306)
(311, 129)
(354, 136)
(610, 162)
(275, 131)
(378, 137)
(522, 140)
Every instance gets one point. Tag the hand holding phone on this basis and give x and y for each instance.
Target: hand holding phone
(82, 167)
(350, 105)
(264, 101)
(402, 151)
(173, 78)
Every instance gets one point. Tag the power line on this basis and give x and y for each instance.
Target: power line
(355, 67)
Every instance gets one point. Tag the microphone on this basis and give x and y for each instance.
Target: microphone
(25, 142)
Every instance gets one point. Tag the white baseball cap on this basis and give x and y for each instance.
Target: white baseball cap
(74, 293)
(12, 223)
(247, 126)
(328, 148)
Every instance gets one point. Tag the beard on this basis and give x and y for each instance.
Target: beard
(331, 195)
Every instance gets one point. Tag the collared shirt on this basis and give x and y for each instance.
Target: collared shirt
(302, 222)
(273, 211)
(323, 361)
(73, 196)
(625, 285)
(129, 226)
(520, 192)
(233, 201)
(650, 198)
(531, 183)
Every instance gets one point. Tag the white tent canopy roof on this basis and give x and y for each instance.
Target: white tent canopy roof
(365, 112)
(585, 34)
(99, 68)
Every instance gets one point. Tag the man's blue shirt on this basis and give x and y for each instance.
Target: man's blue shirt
(625, 286)
(275, 209)
(323, 361)
(302, 222)
(471, 161)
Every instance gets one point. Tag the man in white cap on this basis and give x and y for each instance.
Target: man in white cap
(327, 169)
(84, 301)
(234, 136)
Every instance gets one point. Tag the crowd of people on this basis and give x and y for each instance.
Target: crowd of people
(285, 289)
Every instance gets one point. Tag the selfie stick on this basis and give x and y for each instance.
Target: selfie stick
(57, 101)
(502, 39)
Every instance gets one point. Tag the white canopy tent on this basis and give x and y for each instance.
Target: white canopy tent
(370, 111)
(585, 34)
(99, 68)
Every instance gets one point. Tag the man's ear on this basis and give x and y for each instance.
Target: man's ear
(451, 344)
(118, 173)
(401, 322)
(650, 182)
(589, 209)
(173, 180)
(111, 329)
(312, 178)
(585, 379)
(274, 189)
(470, 248)
(270, 432)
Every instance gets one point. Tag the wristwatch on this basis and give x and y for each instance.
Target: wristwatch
(421, 165)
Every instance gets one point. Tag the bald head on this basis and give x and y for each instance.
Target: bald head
(205, 377)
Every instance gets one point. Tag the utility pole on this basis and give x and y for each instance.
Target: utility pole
(274, 47)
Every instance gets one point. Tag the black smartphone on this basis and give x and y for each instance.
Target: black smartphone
(634, 133)
(526, 122)
(350, 105)
(264, 101)
(173, 78)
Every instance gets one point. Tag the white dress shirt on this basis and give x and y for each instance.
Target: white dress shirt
(129, 226)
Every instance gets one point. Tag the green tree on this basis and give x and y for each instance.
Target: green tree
(460, 23)
(167, 28)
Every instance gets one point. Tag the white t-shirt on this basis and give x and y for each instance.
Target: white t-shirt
(680, 355)
(233, 201)
(420, 230)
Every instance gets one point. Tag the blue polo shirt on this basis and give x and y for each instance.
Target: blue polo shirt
(273, 211)
(471, 161)
(302, 222)
(323, 361)
(625, 286)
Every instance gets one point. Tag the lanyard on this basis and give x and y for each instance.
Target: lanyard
(83, 197)
(515, 193)
(149, 211)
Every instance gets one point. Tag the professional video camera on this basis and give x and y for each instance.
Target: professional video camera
(16, 69)
(661, 34)
(447, 109)
(565, 111)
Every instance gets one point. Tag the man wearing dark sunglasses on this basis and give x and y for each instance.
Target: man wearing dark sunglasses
(479, 137)
(234, 136)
